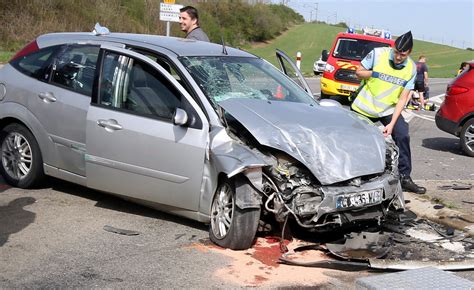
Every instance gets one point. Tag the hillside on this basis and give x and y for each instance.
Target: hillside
(310, 38)
(237, 22)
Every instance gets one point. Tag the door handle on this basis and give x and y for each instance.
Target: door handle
(109, 125)
(47, 97)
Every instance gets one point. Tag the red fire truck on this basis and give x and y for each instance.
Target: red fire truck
(348, 49)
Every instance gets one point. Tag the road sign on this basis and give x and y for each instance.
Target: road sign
(169, 12)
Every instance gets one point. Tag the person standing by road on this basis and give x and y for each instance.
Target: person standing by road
(421, 81)
(463, 66)
(189, 23)
(388, 75)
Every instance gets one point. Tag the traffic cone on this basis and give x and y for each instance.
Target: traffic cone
(279, 92)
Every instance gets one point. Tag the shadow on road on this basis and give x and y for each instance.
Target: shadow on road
(444, 144)
(111, 202)
(14, 218)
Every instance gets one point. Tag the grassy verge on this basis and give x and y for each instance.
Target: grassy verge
(310, 39)
(5, 56)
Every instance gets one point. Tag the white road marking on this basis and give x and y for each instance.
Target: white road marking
(425, 117)
(437, 99)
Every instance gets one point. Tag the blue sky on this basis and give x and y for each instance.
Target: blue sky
(449, 22)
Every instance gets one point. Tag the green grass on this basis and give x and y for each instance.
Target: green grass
(443, 61)
(5, 56)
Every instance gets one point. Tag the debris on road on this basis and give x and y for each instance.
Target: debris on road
(402, 245)
(120, 231)
(455, 186)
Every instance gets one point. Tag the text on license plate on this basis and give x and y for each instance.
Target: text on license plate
(349, 88)
(359, 199)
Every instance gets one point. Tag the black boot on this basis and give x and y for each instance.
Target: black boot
(409, 185)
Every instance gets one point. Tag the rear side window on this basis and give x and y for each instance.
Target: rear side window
(36, 64)
(74, 68)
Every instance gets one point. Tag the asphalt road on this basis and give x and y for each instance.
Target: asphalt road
(54, 237)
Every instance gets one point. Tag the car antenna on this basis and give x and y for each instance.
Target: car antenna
(224, 50)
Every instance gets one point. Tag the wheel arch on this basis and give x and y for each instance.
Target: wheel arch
(15, 113)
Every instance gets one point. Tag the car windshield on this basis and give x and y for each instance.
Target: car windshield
(222, 78)
(355, 49)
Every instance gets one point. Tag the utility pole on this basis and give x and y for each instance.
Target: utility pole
(316, 12)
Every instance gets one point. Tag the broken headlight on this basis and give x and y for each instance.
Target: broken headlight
(391, 156)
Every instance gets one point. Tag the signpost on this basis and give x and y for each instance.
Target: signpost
(169, 12)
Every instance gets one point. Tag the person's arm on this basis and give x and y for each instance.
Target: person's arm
(398, 110)
(364, 71)
(425, 74)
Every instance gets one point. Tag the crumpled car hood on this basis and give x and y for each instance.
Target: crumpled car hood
(333, 143)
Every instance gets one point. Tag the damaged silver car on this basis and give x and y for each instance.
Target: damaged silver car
(195, 129)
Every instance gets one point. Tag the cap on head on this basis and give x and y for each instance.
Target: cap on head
(404, 42)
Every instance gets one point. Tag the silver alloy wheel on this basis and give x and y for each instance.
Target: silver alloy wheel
(17, 156)
(222, 211)
(469, 137)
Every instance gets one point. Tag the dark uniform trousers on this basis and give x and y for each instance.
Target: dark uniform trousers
(402, 139)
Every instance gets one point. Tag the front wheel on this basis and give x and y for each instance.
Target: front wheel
(467, 137)
(22, 165)
(232, 227)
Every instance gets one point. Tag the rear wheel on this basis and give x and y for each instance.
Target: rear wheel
(232, 227)
(22, 165)
(467, 137)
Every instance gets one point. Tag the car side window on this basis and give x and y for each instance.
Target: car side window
(74, 68)
(35, 64)
(132, 85)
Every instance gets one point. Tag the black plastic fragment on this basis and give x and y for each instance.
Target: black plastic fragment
(328, 264)
(120, 231)
(455, 187)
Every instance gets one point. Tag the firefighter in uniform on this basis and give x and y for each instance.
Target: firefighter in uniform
(388, 75)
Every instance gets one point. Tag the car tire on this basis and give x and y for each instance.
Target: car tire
(21, 164)
(232, 227)
(324, 96)
(467, 137)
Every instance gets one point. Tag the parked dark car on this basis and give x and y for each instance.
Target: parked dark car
(456, 114)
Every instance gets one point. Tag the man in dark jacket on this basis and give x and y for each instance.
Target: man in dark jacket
(189, 23)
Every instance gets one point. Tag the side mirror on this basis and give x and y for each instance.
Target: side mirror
(330, 103)
(324, 55)
(180, 117)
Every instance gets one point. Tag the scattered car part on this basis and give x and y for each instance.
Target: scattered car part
(455, 187)
(361, 246)
(407, 265)
(120, 231)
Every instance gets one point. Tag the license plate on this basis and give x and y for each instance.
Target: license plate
(359, 199)
(349, 88)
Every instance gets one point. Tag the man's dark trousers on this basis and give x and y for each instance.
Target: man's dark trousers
(402, 139)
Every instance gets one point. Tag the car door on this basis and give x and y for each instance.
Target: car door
(290, 69)
(61, 104)
(133, 147)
